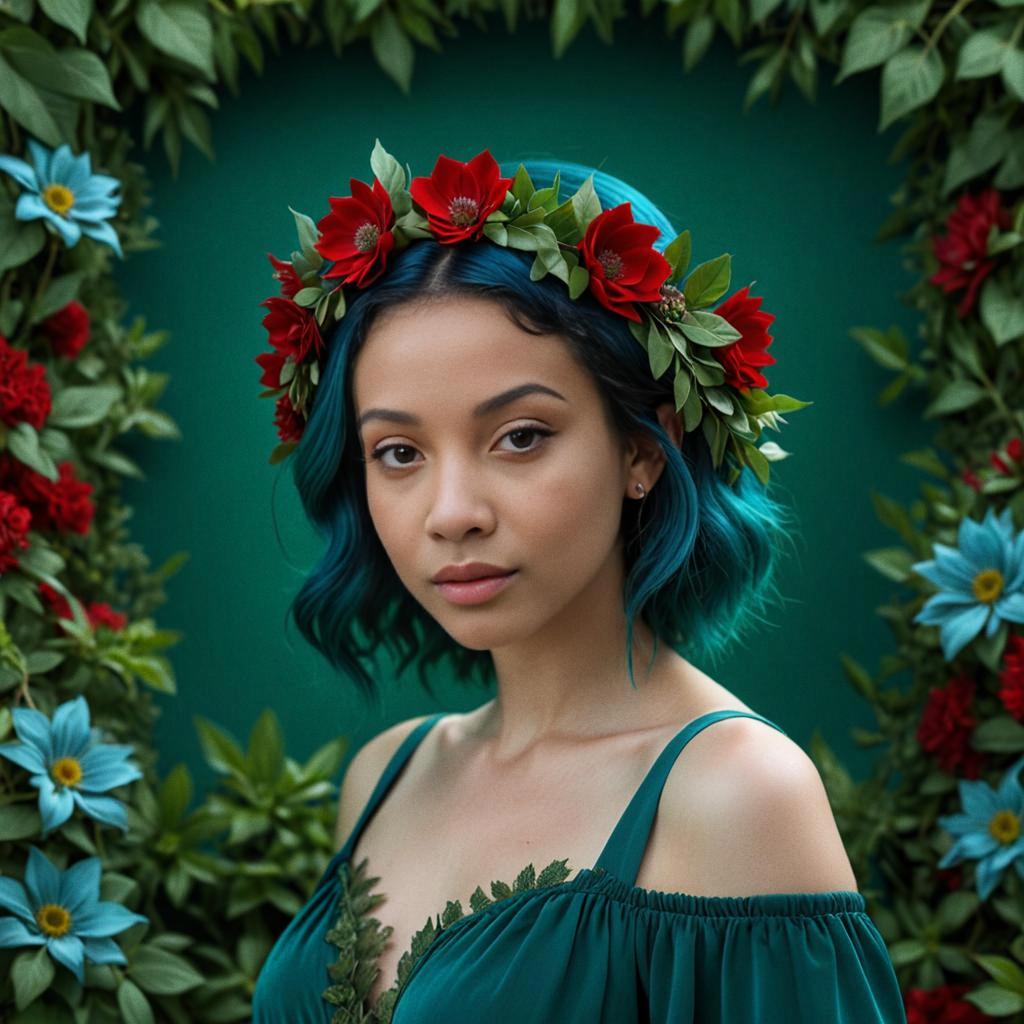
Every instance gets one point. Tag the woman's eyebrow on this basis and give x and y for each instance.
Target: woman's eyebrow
(485, 407)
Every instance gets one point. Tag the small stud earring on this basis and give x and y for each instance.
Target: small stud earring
(640, 490)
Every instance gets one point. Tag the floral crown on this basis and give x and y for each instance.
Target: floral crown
(714, 356)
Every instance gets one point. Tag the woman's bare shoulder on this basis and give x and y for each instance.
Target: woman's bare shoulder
(363, 771)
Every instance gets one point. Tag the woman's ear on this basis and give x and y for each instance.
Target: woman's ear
(672, 422)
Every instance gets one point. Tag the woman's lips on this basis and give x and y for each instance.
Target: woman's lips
(475, 591)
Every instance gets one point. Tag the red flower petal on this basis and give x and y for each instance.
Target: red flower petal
(749, 351)
(357, 235)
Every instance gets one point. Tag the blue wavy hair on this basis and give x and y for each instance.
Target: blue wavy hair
(698, 570)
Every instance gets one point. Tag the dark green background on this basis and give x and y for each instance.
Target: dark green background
(794, 192)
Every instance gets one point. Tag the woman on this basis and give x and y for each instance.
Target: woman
(477, 423)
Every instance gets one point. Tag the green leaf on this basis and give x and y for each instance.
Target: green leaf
(74, 15)
(387, 169)
(889, 349)
(567, 19)
(59, 293)
(956, 396)
(879, 32)
(910, 79)
(392, 48)
(72, 72)
(699, 34)
(585, 204)
(162, 973)
(22, 101)
(983, 52)
(990, 998)
(308, 232)
(984, 145)
(23, 442)
(893, 563)
(708, 282)
(677, 252)
(222, 753)
(265, 757)
(1001, 734)
(134, 1006)
(31, 973)
(175, 795)
(181, 29)
(19, 822)
(1002, 310)
(82, 406)
(20, 240)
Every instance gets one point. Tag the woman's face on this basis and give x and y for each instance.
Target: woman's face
(534, 484)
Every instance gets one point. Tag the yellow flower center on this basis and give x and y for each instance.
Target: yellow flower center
(988, 585)
(66, 771)
(1005, 826)
(58, 198)
(463, 211)
(53, 919)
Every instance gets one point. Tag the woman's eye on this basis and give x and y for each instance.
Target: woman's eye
(378, 453)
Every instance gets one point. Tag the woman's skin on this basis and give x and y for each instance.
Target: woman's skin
(549, 507)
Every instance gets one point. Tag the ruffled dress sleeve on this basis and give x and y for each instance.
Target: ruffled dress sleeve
(798, 958)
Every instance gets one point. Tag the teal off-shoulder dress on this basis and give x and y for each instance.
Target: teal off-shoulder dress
(596, 949)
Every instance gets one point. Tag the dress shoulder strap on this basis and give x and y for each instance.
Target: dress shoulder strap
(624, 850)
(391, 772)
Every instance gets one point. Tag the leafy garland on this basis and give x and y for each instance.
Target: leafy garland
(361, 939)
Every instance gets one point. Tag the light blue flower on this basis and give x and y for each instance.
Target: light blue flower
(62, 911)
(69, 764)
(62, 189)
(989, 829)
(981, 581)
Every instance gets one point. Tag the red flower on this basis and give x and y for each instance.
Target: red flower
(971, 478)
(942, 1005)
(61, 505)
(742, 358)
(1015, 449)
(290, 424)
(100, 613)
(285, 273)
(68, 329)
(357, 235)
(24, 391)
(1011, 677)
(458, 197)
(293, 329)
(15, 520)
(962, 253)
(624, 268)
(946, 725)
(272, 363)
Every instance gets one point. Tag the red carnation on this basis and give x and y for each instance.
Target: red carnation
(61, 505)
(963, 252)
(624, 268)
(742, 358)
(946, 725)
(15, 520)
(357, 235)
(458, 197)
(285, 273)
(1011, 677)
(289, 423)
(68, 329)
(942, 1005)
(24, 391)
(293, 329)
